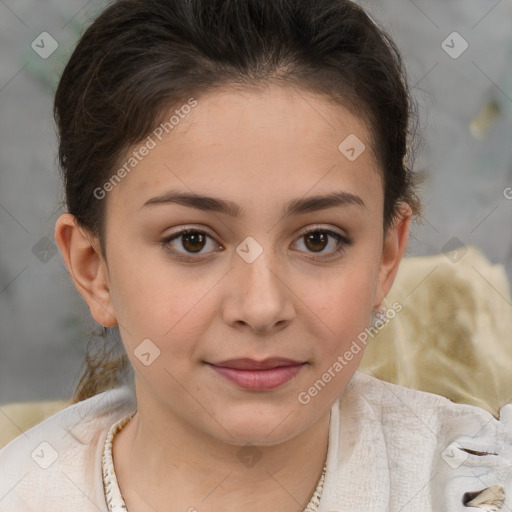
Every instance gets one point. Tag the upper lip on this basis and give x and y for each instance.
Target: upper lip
(252, 364)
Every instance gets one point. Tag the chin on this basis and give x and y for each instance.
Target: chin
(260, 429)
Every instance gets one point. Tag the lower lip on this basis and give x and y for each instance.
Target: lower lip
(259, 380)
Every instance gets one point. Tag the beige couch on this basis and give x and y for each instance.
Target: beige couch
(452, 336)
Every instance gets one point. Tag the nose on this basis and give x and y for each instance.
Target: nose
(258, 295)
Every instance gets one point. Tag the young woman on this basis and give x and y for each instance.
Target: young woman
(239, 199)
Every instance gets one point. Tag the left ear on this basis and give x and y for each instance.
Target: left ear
(395, 242)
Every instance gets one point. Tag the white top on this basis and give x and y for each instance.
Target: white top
(391, 449)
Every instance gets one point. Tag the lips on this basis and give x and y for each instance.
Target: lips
(252, 364)
(255, 375)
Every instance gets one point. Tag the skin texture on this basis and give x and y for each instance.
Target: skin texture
(297, 299)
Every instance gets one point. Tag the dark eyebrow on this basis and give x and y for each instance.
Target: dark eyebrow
(295, 207)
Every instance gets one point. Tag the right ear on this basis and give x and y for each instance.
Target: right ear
(82, 255)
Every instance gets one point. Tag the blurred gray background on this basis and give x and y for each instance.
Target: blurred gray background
(465, 105)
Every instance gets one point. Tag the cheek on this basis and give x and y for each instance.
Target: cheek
(157, 302)
(344, 305)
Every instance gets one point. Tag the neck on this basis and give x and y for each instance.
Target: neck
(159, 461)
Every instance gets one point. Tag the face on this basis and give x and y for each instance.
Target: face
(232, 308)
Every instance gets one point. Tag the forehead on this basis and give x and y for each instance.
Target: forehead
(277, 142)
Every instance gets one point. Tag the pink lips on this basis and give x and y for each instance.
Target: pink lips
(258, 375)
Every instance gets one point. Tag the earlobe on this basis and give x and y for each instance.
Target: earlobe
(393, 249)
(87, 267)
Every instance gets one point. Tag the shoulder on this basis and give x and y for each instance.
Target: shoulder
(395, 403)
(61, 457)
(408, 450)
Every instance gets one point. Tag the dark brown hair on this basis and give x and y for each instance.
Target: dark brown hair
(141, 58)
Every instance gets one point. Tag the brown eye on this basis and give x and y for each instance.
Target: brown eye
(194, 241)
(189, 244)
(324, 242)
(316, 241)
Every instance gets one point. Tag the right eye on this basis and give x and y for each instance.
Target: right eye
(184, 244)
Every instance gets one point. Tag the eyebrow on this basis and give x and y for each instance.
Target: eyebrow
(294, 207)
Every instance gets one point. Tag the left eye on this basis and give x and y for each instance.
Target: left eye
(318, 240)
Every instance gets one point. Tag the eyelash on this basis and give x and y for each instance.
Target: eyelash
(343, 242)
